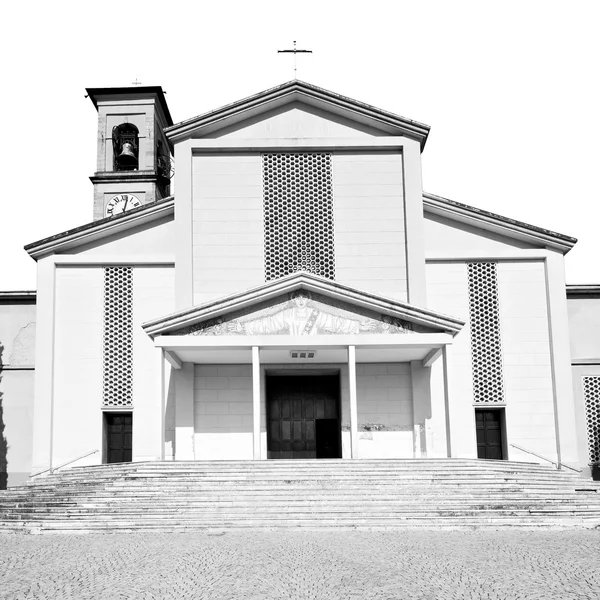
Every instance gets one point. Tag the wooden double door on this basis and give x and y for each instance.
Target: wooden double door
(303, 416)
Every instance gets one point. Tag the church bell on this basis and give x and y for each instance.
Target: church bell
(127, 159)
(125, 147)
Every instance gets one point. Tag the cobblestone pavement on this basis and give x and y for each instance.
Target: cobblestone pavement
(495, 565)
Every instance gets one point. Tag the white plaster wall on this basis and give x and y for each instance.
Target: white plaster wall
(77, 425)
(445, 238)
(228, 238)
(295, 120)
(384, 400)
(156, 239)
(370, 241)
(448, 293)
(223, 412)
(584, 327)
(527, 359)
(153, 296)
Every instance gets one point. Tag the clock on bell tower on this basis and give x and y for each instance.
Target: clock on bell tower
(134, 156)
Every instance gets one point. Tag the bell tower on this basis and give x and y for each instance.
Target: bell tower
(134, 156)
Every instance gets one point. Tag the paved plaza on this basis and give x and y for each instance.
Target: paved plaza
(259, 565)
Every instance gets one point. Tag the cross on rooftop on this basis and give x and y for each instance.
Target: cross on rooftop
(294, 52)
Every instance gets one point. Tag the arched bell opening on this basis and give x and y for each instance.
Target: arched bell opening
(125, 138)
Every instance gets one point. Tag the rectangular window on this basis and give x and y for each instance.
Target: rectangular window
(117, 360)
(591, 395)
(486, 347)
(298, 214)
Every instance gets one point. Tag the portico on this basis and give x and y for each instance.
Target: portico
(218, 368)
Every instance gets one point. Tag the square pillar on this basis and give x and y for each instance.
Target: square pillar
(447, 388)
(353, 402)
(184, 412)
(256, 402)
(420, 377)
(163, 399)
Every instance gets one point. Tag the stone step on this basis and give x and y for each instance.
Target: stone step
(315, 487)
(198, 512)
(356, 494)
(353, 521)
(418, 481)
(182, 496)
(351, 516)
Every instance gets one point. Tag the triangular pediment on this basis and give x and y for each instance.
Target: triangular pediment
(295, 119)
(313, 111)
(303, 304)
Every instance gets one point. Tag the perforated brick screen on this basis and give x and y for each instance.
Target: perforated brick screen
(118, 336)
(591, 394)
(298, 213)
(486, 347)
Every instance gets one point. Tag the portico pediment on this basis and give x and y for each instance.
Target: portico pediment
(303, 305)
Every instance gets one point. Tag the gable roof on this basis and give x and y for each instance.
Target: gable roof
(312, 283)
(96, 230)
(296, 90)
(497, 223)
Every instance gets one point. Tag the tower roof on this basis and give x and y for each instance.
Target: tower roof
(97, 94)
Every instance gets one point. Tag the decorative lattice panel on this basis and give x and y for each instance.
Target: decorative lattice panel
(486, 347)
(591, 394)
(118, 336)
(298, 211)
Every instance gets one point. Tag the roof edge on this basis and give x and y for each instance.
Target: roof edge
(440, 205)
(126, 220)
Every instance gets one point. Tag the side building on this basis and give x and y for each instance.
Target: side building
(17, 363)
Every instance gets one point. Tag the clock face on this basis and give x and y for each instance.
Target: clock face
(120, 203)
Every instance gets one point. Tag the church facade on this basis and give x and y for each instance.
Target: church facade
(298, 296)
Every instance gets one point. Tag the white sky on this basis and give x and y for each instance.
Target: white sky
(510, 89)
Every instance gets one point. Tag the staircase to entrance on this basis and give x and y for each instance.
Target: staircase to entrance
(174, 496)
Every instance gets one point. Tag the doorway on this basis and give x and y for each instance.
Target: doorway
(303, 416)
(489, 425)
(117, 438)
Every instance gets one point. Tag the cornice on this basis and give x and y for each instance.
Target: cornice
(102, 228)
(295, 90)
(124, 176)
(583, 291)
(18, 296)
(496, 223)
(311, 283)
